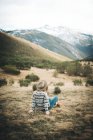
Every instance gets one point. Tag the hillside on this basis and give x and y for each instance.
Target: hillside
(47, 41)
(14, 49)
(81, 43)
(64, 41)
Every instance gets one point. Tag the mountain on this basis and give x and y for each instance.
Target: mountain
(71, 36)
(49, 42)
(80, 42)
(64, 41)
(14, 49)
(89, 58)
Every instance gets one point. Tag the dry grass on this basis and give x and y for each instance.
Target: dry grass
(72, 121)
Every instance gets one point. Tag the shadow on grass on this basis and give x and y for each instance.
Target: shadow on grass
(38, 130)
(18, 128)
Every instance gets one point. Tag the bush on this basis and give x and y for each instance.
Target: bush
(86, 70)
(23, 66)
(11, 69)
(89, 81)
(32, 77)
(11, 82)
(61, 68)
(24, 82)
(77, 82)
(55, 74)
(60, 84)
(3, 82)
(57, 90)
(34, 87)
(74, 68)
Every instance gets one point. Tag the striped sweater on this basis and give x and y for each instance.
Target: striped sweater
(40, 100)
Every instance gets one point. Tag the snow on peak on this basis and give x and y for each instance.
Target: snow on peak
(71, 36)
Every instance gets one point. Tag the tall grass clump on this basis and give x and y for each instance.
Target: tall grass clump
(89, 80)
(11, 82)
(62, 67)
(57, 90)
(55, 74)
(77, 82)
(3, 82)
(59, 84)
(74, 68)
(32, 77)
(34, 87)
(24, 82)
(87, 70)
(11, 69)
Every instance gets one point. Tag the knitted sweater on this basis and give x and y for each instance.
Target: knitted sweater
(40, 100)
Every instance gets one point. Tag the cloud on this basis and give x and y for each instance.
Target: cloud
(15, 2)
(33, 13)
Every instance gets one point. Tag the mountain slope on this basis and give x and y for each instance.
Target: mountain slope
(81, 43)
(14, 48)
(48, 41)
(71, 36)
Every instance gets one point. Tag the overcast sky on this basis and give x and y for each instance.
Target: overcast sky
(27, 14)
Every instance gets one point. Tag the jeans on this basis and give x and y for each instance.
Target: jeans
(53, 101)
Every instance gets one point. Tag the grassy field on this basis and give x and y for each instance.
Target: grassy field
(72, 121)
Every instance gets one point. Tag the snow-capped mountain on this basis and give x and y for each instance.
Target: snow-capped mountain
(71, 36)
(48, 41)
(2, 30)
(79, 42)
(64, 41)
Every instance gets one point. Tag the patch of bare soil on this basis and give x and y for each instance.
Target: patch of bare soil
(72, 121)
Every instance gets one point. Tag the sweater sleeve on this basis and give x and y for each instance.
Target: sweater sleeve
(33, 102)
(46, 102)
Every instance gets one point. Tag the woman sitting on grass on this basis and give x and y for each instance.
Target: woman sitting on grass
(40, 99)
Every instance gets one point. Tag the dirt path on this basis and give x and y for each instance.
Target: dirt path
(73, 121)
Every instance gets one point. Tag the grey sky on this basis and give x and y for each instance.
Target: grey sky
(23, 14)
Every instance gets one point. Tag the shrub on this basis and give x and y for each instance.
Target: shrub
(24, 82)
(74, 68)
(11, 82)
(61, 68)
(77, 82)
(11, 69)
(89, 81)
(57, 90)
(3, 82)
(55, 74)
(23, 66)
(40, 65)
(60, 84)
(86, 70)
(32, 77)
(34, 87)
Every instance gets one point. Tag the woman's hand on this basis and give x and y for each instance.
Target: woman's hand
(47, 112)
